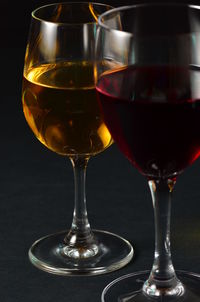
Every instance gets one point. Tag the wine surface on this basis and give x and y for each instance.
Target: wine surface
(60, 106)
(153, 114)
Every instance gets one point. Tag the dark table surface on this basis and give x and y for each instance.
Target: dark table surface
(36, 195)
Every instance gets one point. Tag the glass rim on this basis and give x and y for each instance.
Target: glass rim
(65, 3)
(126, 7)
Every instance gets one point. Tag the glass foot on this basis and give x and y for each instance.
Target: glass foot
(49, 254)
(128, 288)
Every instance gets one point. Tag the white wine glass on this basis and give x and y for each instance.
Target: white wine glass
(60, 106)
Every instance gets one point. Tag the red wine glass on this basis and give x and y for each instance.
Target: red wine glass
(149, 93)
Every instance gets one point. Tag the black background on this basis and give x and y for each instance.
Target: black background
(36, 192)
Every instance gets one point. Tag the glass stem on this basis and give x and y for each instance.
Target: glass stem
(80, 241)
(162, 280)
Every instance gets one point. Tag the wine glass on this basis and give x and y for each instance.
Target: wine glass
(60, 106)
(150, 98)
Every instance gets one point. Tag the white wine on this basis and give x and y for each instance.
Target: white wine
(61, 107)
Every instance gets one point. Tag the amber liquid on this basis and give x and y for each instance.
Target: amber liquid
(60, 106)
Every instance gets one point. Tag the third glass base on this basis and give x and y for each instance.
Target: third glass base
(128, 288)
(48, 254)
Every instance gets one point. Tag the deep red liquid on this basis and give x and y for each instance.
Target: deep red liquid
(153, 115)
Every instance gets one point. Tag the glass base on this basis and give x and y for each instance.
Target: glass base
(49, 254)
(128, 288)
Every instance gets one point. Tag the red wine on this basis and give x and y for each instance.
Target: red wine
(153, 114)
